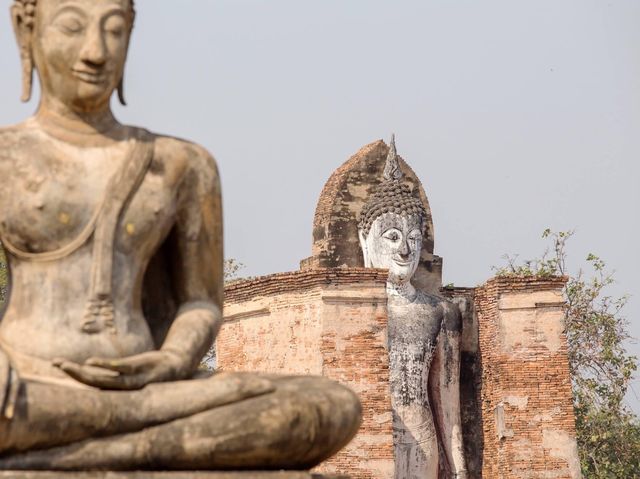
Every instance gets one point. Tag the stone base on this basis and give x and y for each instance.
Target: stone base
(165, 475)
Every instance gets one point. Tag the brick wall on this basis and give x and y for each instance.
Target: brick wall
(324, 322)
(527, 410)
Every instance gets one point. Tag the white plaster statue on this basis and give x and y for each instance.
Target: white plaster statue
(423, 334)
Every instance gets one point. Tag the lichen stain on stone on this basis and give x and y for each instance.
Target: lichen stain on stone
(64, 218)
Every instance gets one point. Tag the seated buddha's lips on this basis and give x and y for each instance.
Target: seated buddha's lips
(89, 76)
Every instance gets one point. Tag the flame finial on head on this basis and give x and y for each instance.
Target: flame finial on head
(392, 167)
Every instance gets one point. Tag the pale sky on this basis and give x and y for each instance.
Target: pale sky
(517, 116)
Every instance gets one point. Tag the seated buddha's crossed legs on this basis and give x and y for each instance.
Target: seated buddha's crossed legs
(292, 422)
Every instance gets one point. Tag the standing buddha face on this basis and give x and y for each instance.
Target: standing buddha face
(394, 242)
(79, 49)
(391, 224)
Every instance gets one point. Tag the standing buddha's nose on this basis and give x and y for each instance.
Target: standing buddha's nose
(404, 248)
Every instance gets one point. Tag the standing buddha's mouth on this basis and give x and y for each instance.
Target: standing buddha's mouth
(402, 263)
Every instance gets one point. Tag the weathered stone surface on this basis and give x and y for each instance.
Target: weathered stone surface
(113, 238)
(335, 224)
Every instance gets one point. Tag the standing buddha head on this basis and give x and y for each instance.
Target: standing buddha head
(391, 224)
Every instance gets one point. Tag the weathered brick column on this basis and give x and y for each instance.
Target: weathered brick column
(527, 409)
(328, 322)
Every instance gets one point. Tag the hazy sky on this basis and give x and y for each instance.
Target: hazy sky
(517, 116)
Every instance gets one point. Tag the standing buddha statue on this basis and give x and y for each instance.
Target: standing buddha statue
(423, 334)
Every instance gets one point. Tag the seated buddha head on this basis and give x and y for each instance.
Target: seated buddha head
(77, 47)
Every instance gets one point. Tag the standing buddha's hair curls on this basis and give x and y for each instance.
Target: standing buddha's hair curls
(391, 196)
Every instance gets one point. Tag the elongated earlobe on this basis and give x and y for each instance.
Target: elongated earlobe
(365, 250)
(27, 77)
(123, 102)
(121, 98)
(23, 28)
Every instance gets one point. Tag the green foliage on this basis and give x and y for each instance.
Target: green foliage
(608, 441)
(231, 268)
(551, 263)
(608, 432)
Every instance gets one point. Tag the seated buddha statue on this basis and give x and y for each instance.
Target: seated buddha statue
(423, 334)
(113, 236)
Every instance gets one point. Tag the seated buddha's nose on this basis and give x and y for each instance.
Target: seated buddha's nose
(94, 50)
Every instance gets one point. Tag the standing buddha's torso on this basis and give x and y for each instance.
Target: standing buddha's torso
(413, 332)
(413, 329)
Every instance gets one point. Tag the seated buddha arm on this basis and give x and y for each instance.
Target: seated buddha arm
(444, 385)
(197, 269)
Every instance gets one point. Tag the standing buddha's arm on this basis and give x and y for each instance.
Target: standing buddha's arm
(444, 385)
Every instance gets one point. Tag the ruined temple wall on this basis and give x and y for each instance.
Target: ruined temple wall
(517, 408)
(325, 322)
(354, 352)
(527, 409)
(283, 330)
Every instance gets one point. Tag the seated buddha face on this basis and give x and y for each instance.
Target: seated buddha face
(394, 242)
(78, 47)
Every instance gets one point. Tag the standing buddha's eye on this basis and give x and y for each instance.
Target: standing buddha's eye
(392, 235)
(415, 235)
